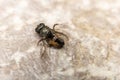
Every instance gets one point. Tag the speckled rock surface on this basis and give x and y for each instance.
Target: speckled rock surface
(91, 53)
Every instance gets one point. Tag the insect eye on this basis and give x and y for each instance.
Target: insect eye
(41, 24)
(39, 27)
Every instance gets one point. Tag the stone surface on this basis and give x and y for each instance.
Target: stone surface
(91, 53)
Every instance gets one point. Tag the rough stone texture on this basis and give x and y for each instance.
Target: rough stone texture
(93, 49)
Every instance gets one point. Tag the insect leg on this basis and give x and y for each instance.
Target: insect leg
(54, 26)
(59, 32)
(62, 34)
(41, 40)
(43, 53)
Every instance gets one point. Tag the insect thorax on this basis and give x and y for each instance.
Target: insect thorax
(46, 33)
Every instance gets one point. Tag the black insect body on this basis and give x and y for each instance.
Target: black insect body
(44, 31)
(50, 36)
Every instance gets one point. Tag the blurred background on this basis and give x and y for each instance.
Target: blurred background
(91, 53)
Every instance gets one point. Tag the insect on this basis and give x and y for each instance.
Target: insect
(50, 36)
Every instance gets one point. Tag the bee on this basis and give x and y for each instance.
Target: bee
(50, 36)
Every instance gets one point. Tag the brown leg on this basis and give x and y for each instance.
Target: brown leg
(62, 34)
(54, 26)
(59, 32)
(43, 53)
(40, 41)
